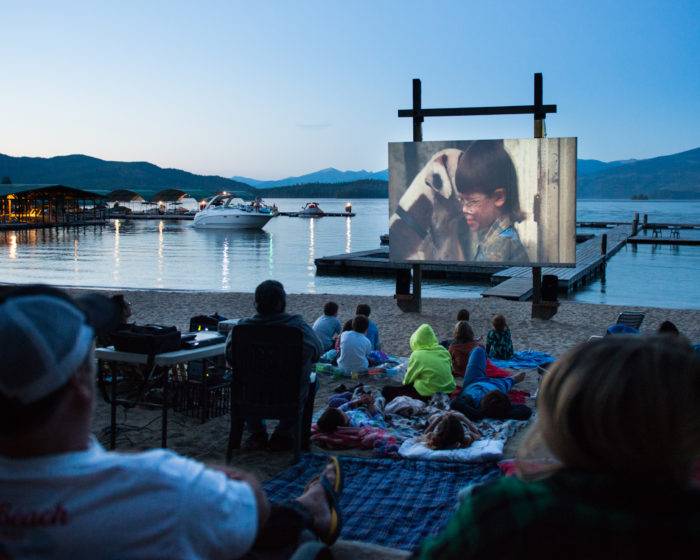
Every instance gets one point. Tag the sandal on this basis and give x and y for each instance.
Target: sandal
(332, 492)
(338, 485)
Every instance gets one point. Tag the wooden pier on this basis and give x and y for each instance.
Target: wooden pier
(324, 215)
(516, 282)
(39, 225)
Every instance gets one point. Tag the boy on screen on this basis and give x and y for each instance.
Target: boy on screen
(487, 185)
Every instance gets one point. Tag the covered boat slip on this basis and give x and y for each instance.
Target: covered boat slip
(36, 206)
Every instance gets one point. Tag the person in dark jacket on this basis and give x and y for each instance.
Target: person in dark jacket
(270, 305)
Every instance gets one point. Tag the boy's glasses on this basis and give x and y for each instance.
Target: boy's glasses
(472, 203)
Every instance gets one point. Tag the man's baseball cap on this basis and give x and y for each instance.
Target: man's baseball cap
(45, 335)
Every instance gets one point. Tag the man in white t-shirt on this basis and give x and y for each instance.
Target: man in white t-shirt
(355, 347)
(63, 496)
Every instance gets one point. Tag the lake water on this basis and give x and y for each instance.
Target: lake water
(173, 255)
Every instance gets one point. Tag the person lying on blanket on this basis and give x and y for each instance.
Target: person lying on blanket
(615, 480)
(450, 430)
(486, 397)
(366, 410)
(429, 368)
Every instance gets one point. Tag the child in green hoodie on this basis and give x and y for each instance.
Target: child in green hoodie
(429, 368)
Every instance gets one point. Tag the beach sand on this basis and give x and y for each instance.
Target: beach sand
(574, 323)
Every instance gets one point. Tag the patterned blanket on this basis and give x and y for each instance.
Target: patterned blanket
(525, 359)
(386, 502)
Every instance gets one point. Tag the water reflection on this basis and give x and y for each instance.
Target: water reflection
(348, 235)
(117, 261)
(224, 265)
(159, 280)
(310, 267)
(13, 246)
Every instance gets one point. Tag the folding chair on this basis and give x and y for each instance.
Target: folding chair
(631, 319)
(268, 381)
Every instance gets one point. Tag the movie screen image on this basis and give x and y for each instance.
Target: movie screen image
(491, 202)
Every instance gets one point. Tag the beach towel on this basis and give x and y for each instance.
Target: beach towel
(385, 502)
(525, 359)
(379, 441)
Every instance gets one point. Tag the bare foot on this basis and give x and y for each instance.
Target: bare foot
(314, 499)
(518, 377)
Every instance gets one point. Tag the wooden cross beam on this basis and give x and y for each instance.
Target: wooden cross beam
(539, 111)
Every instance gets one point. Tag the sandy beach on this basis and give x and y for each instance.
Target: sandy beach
(574, 323)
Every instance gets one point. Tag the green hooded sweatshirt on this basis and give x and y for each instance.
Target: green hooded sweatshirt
(430, 364)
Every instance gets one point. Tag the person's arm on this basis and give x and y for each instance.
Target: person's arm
(263, 505)
(489, 341)
(221, 510)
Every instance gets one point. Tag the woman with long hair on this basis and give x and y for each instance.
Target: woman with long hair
(606, 470)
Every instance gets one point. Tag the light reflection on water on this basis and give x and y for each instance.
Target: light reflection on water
(173, 255)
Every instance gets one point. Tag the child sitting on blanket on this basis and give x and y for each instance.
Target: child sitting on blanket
(372, 329)
(357, 413)
(347, 326)
(450, 430)
(429, 368)
(327, 326)
(355, 347)
(499, 345)
(485, 397)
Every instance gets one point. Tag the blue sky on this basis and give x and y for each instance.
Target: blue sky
(270, 89)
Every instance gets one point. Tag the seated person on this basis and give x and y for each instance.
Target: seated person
(64, 496)
(363, 410)
(372, 329)
(327, 326)
(450, 430)
(615, 479)
(499, 345)
(460, 348)
(462, 315)
(270, 305)
(347, 326)
(429, 368)
(355, 347)
(487, 397)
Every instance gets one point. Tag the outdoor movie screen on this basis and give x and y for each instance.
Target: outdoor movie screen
(491, 202)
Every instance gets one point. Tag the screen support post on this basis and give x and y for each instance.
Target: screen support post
(417, 113)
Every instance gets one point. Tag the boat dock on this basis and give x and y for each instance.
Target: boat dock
(324, 215)
(39, 225)
(516, 282)
(376, 263)
(191, 216)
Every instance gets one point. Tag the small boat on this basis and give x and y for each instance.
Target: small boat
(226, 211)
(311, 210)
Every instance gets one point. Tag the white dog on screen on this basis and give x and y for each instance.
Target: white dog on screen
(428, 224)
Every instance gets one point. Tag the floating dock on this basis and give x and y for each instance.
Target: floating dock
(376, 263)
(39, 225)
(324, 215)
(516, 282)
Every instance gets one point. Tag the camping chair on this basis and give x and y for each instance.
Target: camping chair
(631, 319)
(268, 378)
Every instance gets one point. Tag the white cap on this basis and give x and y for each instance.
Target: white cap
(43, 341)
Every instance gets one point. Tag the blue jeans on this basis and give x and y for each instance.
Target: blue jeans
(476, 384)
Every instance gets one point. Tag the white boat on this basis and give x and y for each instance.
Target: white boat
(225, 211)
(311, 210)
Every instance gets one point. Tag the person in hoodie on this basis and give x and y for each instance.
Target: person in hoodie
(270, 305)
(429, 368)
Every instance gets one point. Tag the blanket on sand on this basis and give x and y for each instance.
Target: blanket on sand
(525, 359)
(385, 502)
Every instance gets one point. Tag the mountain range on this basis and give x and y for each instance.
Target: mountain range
(328, 175)
(672, 176)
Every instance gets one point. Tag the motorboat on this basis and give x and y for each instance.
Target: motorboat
(226, 211)
(311, 210)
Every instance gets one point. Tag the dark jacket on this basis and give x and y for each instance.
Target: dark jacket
(313, 348)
